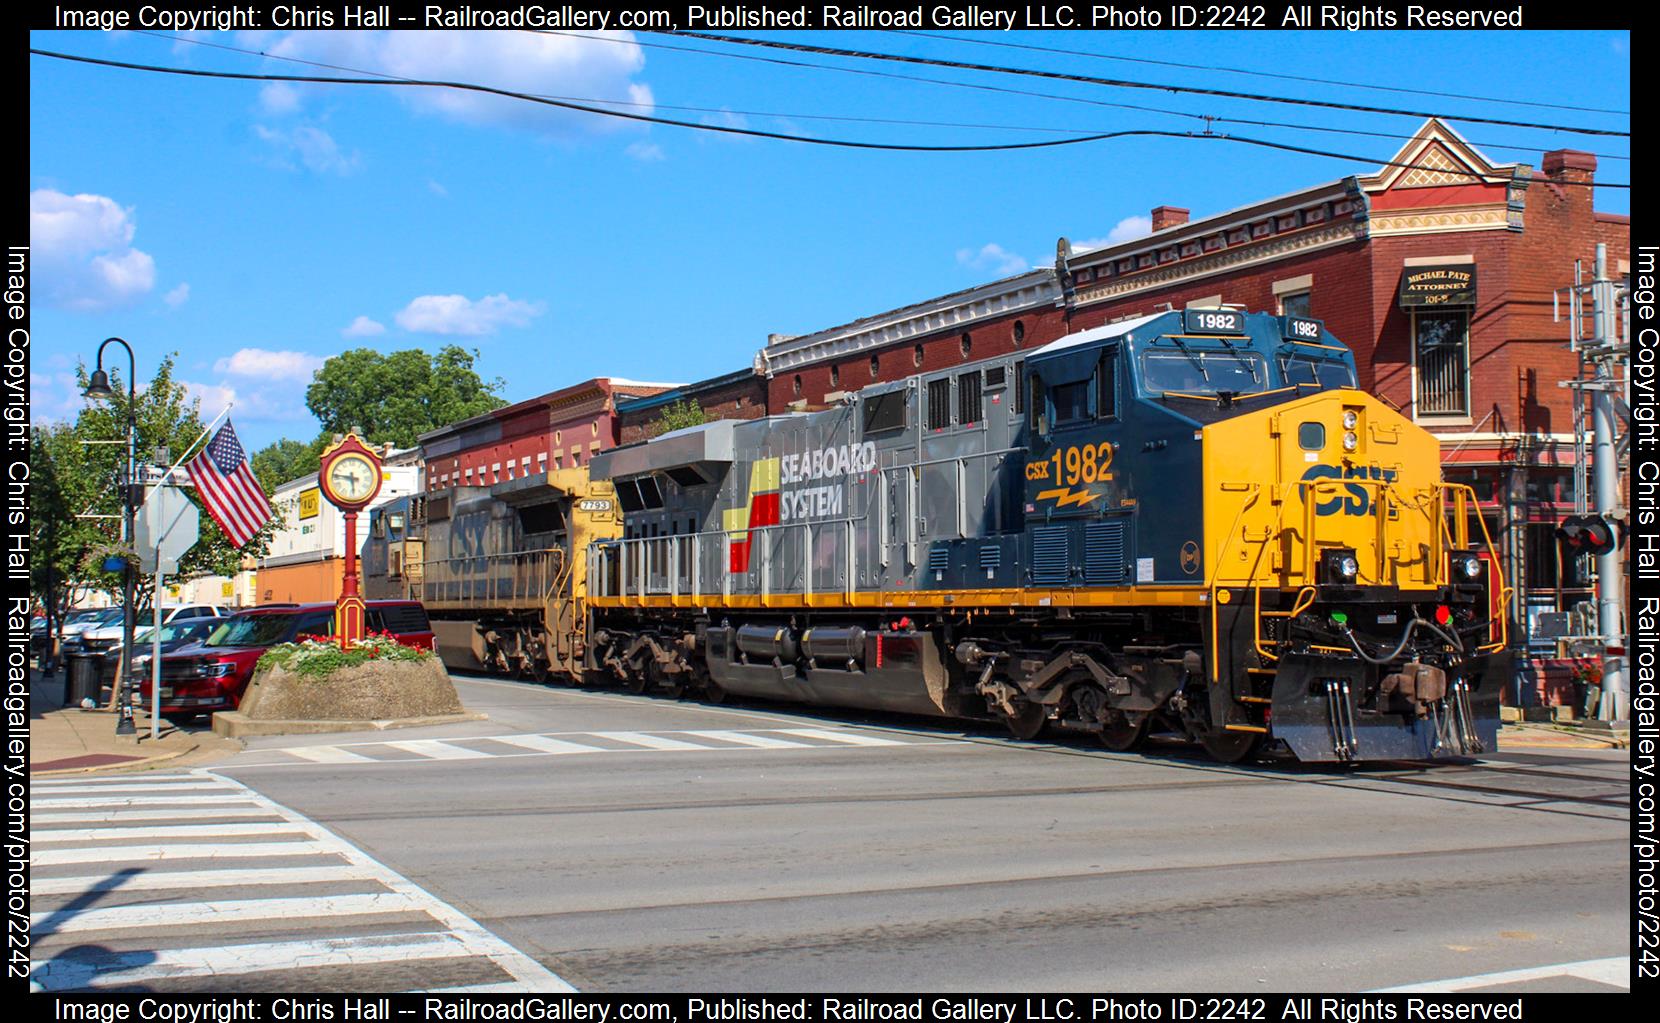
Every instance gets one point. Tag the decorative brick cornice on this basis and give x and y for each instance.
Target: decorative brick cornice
(1279, 247)
(1490, 217)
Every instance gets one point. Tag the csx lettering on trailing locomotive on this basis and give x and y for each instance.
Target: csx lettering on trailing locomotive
(1225, 593)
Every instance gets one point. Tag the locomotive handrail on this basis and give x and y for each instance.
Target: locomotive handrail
(1505, 592)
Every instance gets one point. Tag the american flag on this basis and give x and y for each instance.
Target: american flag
(228, 488)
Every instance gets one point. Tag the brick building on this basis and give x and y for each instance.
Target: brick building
(739, 395)
(556, 430)
(1438, 271)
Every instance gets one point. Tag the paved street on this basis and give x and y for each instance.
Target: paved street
(615, 842)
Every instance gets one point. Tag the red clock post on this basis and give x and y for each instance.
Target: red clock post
(350, 477)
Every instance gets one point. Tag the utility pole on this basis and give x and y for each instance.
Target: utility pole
(1606, 351)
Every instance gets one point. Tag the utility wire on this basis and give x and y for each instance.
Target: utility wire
(833, 51)
(1259, 74)
(751, 132)
(1214, 118)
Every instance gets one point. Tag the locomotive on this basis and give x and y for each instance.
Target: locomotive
(1188, 522)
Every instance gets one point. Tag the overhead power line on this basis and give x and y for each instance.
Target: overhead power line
(1259, 74)
(731, 130)
(833, 51)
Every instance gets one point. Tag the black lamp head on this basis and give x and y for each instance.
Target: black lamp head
(98, 386)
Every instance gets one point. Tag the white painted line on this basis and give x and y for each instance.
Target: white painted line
(747, 739)
(186, 914)
(113, 816)
(543, 744)
(136, 801)
(165, 831)
(118, 854)
(437, 750)
(147, 965)
(1615, 972)
(527, 971)
(649, 741)
(476, 989)
(328, 755)
(193, 879)
(105, 789)
(149, 781)
(851, 738)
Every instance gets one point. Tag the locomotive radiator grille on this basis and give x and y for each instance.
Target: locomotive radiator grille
(1049, 555)
(1104, 553)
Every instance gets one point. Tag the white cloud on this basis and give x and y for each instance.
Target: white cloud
(993, 257)
(266, 400)
(178, 296)
(363, 327)
(213, 397)
(601, 66)
(436, 189)
(312, 146)
(645, 152)
(457, 314)
(54, 397)
(263, 363)
(279, 98)
(83, 252)
(1123, 231)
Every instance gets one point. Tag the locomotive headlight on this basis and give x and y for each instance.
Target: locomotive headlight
(1340, 566)
(1351, 419)
(1350, 441)
(1466, 566)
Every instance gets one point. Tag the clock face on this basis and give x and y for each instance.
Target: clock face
(352, 478)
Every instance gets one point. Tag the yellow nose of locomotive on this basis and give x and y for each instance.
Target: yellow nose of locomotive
(1334, 487)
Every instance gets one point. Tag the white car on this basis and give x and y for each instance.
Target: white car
(108, 637)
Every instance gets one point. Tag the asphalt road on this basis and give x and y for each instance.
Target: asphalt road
(627, 843)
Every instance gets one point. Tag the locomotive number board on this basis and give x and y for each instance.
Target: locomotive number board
(1213, 321)
(1299, 328)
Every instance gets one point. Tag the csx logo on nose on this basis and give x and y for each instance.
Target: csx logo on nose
(1359, 499)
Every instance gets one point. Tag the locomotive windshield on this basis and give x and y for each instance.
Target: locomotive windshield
(1191, 371)
(1323, 374)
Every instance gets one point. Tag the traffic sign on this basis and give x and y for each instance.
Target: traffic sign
(168, 525)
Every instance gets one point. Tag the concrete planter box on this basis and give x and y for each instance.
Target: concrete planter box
(378, 694)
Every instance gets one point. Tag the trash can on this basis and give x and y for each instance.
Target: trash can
(85, 679)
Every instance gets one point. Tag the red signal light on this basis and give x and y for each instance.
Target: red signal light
(1443, 615)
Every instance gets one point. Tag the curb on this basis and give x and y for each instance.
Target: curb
(145, 762)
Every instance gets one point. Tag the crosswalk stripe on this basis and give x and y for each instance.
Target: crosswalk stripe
(1615, 972)
(543, 744)
(101, 788)
(88, 801)
(189, 880)
(649, 741)
(437, 750)
(328, 755)
(214, 851)
(128, 814)
(147, 966)
(851, 738)
(748, 739)
(166, 831)
(230, 911)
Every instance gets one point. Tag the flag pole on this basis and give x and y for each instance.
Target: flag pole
(206, 432)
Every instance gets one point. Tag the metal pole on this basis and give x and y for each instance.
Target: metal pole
(155, 656)
(1605, 464)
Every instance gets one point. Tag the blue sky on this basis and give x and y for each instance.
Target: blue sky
(256, 228)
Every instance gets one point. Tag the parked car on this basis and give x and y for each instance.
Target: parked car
(185, 632)
(106, 637)
(78, 623)
(211, 675)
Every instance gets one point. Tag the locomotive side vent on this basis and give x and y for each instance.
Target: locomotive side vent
(939, 559)
(1049, 555)
(1104, 553)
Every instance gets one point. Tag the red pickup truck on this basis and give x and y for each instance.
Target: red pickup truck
(212, 675)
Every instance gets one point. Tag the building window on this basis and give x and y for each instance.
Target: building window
(559, 436)
(795, 385)
(916, 355)
(1019, 333)
(1441, 356)
(1295, 305)
(835, 376)
(875, 367)
(593, 429)
(966, 344)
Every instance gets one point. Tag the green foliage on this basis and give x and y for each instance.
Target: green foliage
(71, 478)
(284, 460)
(395, 397)
(320, 658)
(681, 414)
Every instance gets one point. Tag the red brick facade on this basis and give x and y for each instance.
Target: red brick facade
(741, 395)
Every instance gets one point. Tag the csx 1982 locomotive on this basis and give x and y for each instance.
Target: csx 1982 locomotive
(1187, 522)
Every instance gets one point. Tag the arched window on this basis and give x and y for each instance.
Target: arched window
(916, 355)
(875, 367)
(967, 344)
(1019, 333)
(796, 385)
(835, 376)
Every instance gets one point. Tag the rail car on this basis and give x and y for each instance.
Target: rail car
(1190, 522)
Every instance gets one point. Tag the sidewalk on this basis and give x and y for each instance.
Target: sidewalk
(1549, 735)
(69, 740)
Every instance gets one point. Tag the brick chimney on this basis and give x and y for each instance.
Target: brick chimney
(1170, 216)
(1566, 165)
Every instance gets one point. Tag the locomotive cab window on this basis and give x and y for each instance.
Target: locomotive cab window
(1106, 386)
(1322, 374)
(1071, 401)
(1189, 370)
(1037, 408)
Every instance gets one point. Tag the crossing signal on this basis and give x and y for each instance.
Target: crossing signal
(1587, 534)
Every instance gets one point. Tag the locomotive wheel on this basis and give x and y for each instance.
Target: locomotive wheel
(1027, 722)
(712, 692)
(538, 665)
(1231, 747)
(1121, 733)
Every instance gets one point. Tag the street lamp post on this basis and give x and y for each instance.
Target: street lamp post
(98, 386)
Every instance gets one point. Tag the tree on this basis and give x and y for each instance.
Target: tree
(681, 414)
(394, 398)
(286, 459)
(75, 501)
